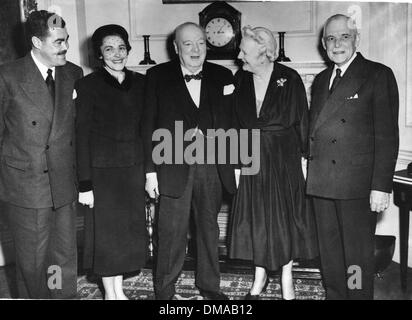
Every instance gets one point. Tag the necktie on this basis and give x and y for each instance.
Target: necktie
(336, 80)
(50, 84)
(189, 77)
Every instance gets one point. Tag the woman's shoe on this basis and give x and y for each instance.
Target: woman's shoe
(249, 296)
(294, 295)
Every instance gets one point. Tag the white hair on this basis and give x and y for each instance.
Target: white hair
(350, 22)
(264, 37)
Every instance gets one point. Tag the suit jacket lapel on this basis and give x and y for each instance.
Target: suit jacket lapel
(319, 100)
(63, 95)
(35, 87)
(205, 85)
(180, 91)
(209, 92)
(348, 86)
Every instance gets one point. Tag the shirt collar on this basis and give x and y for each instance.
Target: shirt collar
(42, 68)
(186, 71)
(345, 66)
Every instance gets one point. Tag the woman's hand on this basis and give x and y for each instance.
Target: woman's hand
(87, 198)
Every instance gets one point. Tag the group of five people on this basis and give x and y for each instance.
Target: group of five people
(61, 132)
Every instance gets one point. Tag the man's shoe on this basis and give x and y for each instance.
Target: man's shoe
(213, 295)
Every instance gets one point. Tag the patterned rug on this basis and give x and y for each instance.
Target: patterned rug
(140, 287)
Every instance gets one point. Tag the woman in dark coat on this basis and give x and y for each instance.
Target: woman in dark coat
(110, 160)
(270, 223)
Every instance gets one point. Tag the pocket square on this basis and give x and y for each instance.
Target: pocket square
(228, 89)
(74, 95)
(353, 97)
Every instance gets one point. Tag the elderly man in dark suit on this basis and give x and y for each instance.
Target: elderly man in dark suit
(353, 151)
(37, 173)
(198, 95)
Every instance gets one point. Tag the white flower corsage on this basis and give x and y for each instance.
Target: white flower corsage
(281, 82)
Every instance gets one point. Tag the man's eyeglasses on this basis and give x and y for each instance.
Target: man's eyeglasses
(343, 38)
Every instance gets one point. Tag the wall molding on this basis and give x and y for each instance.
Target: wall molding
(135, 36)
(408, 109)
(133, 26)
(313, 17)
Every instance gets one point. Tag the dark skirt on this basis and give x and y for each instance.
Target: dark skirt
(272, 221)
(116, 238)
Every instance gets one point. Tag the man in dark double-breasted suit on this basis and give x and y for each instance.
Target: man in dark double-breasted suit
(353, 150)
(196, 95)
(37, 174)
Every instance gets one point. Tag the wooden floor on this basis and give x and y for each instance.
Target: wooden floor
(388, 286)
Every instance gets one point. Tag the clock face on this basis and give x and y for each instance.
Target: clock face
(219, 32)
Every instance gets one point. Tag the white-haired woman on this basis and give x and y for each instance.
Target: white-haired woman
(271, 224)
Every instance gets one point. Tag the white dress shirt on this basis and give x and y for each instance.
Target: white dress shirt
(193, 86)
(342, 68)
(42, 68)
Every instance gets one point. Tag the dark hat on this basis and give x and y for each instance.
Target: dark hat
(108, 30)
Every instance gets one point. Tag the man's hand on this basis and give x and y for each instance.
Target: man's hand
(237, 177)
(379, 200)
(87, 198)
(304, 167)
(152, 187)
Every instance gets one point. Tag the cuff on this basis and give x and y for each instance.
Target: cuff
(151, 175)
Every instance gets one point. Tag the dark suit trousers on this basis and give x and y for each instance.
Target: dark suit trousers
(346, 230)
(46, 253)
(203, 194)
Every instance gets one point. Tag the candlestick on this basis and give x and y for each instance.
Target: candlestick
(147, 59)
(282, 56)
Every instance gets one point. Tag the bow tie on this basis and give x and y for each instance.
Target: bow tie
(189, 77)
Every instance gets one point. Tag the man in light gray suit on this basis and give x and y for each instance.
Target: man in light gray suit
(37, 173)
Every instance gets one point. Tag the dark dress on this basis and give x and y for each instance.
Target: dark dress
(110, 162)
(271, 221)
